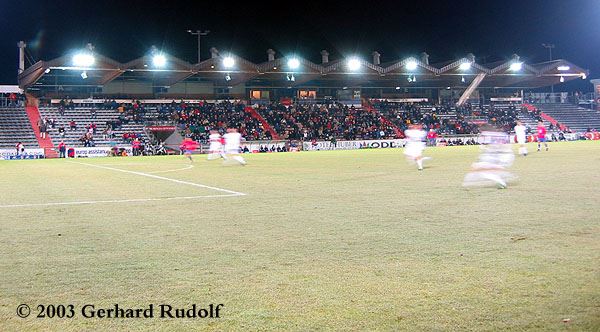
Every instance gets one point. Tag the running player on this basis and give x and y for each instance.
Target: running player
(188, 146)
(232, 145)
(521, 138)
(491, 168)
(415, 145)
(215, 149)
(541, 136)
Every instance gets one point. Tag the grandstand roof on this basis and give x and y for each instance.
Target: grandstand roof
(61, 72)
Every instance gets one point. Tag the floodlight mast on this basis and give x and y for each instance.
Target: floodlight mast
(200, 34)
(549, 47)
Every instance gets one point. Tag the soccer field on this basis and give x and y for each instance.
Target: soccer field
(332, 240)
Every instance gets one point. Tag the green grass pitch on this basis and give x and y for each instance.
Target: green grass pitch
(340, 240)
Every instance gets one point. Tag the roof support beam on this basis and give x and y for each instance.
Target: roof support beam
(472, 87)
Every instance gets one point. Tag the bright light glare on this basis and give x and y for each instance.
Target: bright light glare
(159, 60)
(353, 64)
(516, 66)
(411, 65)
(465, 66)
(83, 60)
(583, 76)
(228, 62)
(293, 63)
(563, 68)
(562, 79)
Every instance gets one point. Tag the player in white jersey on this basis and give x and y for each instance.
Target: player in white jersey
(495, 158)
(521, 138)
(215, 148)
(232, 145)
(413, 150)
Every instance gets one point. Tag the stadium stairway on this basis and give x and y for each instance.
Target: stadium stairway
(265, 124)
(15, 127)
(576, 118)
(33, 114)
(366, 104)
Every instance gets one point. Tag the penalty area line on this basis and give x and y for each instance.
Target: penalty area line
(133, 200)
(236, 193)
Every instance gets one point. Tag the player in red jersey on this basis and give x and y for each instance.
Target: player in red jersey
(188, 146)
(541, 136)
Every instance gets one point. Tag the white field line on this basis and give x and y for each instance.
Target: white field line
(162, 178)
(173, 170)
(115, 201)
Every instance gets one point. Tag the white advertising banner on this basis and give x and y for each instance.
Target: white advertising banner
(101, 151)
(360, 144)
(28, 154)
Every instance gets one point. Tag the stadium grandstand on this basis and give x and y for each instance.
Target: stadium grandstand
(86, 99)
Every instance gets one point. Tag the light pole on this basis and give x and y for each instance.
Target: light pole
(199, 34)
(549, 47)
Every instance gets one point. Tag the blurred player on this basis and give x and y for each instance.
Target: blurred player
(415, 145)
(188, 146)
(232, 145)
(521, 138)
(541, 136)
(491, 168)
(215, 149)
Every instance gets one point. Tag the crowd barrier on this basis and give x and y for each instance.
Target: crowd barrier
(100, 151)
(356, 144)
(8, 154)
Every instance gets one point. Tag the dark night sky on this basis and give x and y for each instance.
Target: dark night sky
(125, 30)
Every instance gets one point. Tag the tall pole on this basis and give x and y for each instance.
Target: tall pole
(200, 34)
(549, 47)
(21, 45)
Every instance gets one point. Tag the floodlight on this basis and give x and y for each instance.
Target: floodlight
(228, 62)
(353, 64)
(516, 66)
(562, 79)
(293, 63)
(397, 88)
(465, 66)
(84, 75)
(83, 60)
(159, 60)
(411, 65)
(563, 68)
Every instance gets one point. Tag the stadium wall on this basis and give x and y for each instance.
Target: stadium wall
(181, 89)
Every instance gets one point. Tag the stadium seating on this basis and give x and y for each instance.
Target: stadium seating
(308, 121)
(576, 118)
(196, 120)
(297, 121)
(444, 119)
(82, 117)
(15, 127)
